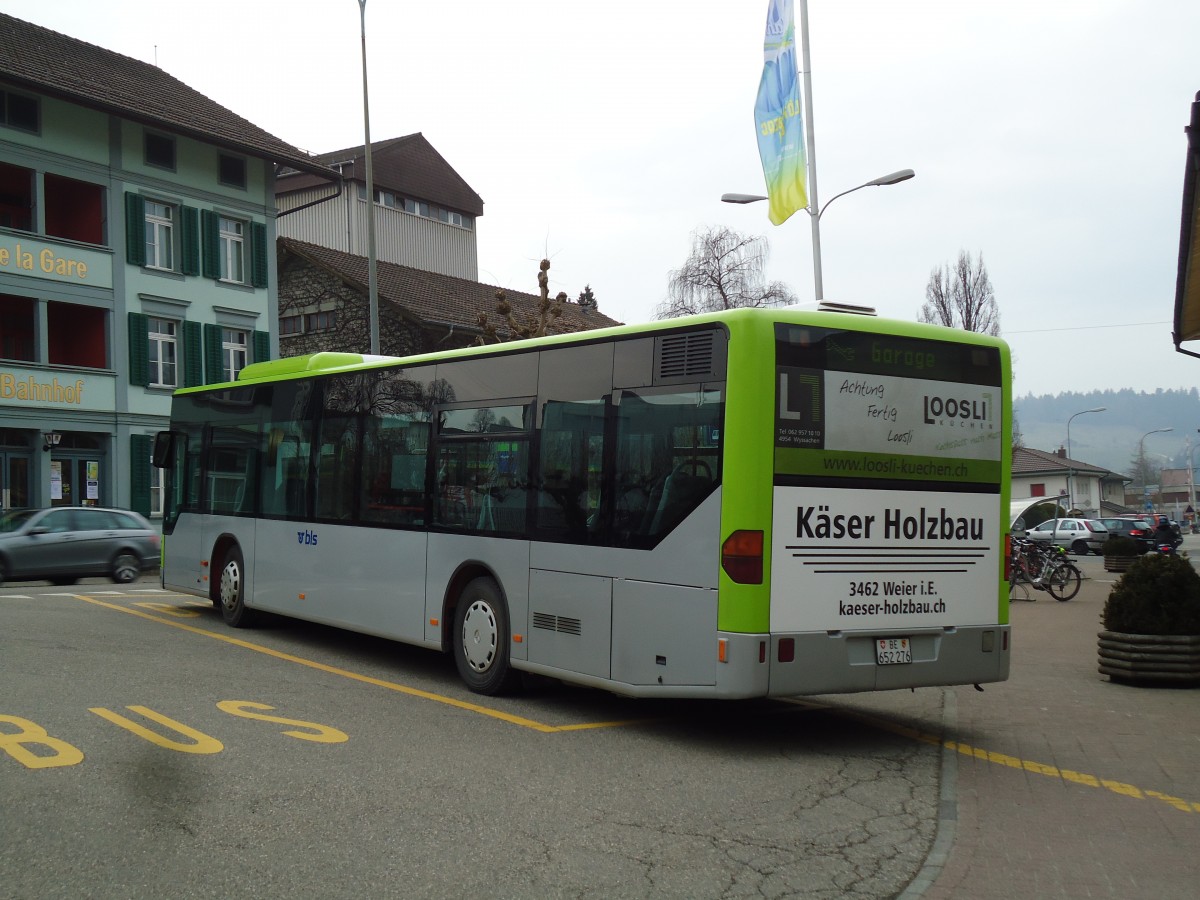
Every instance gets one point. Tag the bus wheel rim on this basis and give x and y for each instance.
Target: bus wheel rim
(479, 636)
(230, 582)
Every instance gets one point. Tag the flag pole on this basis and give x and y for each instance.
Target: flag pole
(813, 206)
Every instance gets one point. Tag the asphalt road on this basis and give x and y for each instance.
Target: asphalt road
(150, 752)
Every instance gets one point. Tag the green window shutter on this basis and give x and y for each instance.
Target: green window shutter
(193, 355)
(135, 229)
(262, 346)
(214, 364)
(139, 473)
(139, 350)
(258, 254)
(189, 231)
(210, 243)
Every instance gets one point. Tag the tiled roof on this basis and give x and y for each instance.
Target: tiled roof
(1027, 461)
(54, 64)
(407, 165)
(441, 299)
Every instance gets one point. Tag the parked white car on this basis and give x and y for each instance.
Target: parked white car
(1077, 535)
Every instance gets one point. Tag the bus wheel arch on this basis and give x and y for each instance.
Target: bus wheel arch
(228, 582)
(481, 637)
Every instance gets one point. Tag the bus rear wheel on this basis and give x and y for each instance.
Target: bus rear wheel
(482, 638)
(231, 590)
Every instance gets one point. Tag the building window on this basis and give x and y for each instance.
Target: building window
(20, 112)
(16, 197)
(231, 170)
(320, 321)
(233, 352)
(164, 352)
(160, 151)
(17, 318)
(77, 335)
(156, 492)
(233, 260)
(291, 325)
(1037, 490)
(160, 228)
(74, 209)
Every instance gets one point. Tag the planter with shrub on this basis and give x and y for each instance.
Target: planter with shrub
(1119, 553)
(1152, 624)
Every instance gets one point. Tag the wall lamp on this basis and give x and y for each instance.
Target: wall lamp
(52, 439)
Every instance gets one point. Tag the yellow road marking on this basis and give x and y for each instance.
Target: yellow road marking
(991, 756)
(365, 679)
(1013, 762)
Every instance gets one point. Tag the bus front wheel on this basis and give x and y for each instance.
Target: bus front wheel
(231, 590)
(481, 638)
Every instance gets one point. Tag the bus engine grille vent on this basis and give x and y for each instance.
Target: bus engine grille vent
(551, 622)
(686, 355)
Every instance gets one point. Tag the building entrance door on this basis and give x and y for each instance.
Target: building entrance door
(75, 481)
(14, 479)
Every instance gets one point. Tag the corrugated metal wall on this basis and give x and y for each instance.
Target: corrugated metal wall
(399, 237)
(324, 224)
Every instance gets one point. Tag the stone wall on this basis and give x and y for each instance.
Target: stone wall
(305, 288)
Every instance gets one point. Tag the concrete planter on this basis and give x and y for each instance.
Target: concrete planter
(1118, 563)
(1150, 659)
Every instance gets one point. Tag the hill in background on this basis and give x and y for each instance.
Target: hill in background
(1110, 438)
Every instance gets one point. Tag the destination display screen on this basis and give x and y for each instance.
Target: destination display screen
(860, 405)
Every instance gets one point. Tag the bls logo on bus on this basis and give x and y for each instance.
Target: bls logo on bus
(306, 537)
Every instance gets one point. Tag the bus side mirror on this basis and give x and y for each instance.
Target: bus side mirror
(164, 447)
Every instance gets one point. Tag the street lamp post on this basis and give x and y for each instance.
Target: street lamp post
(1142, 452)
(881, 181)
(1070, 468)
(1192, 479)
(372, 277)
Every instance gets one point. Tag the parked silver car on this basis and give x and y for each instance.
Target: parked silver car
(1077, 535)
(65, 543)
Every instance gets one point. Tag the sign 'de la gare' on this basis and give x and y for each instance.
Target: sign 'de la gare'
(68, 263)
(44, 260)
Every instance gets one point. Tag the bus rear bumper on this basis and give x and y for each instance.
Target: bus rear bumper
(845, 662)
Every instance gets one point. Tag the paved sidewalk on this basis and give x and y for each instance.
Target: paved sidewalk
(1065, 785)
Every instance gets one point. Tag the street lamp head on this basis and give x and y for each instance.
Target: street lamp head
(894, 178)
(741, 198)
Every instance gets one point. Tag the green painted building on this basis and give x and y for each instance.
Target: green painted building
(137, 236)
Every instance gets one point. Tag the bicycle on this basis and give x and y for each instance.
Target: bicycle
(1043, 569)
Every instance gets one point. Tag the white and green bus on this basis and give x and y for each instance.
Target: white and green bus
(744, 504)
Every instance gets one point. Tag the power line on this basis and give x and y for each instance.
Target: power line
(1083, 328)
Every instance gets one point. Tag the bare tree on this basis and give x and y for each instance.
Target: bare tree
(724, 271)
(962, 297)
(537, 324)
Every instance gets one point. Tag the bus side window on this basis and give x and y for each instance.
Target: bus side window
(668, 454)
(483, 470)
(570, 467)
(395, 450)
(336, 467)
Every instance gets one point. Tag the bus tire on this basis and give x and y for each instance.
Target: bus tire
(231, 590)
(482, 638)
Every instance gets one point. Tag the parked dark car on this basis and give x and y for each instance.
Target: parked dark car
(1140, 530)
(66, 543)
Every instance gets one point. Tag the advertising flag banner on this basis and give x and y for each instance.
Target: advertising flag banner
(777, 116)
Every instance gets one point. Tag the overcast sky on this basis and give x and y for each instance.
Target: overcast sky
(1046, 135)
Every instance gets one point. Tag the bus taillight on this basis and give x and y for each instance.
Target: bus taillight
(742, 557)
